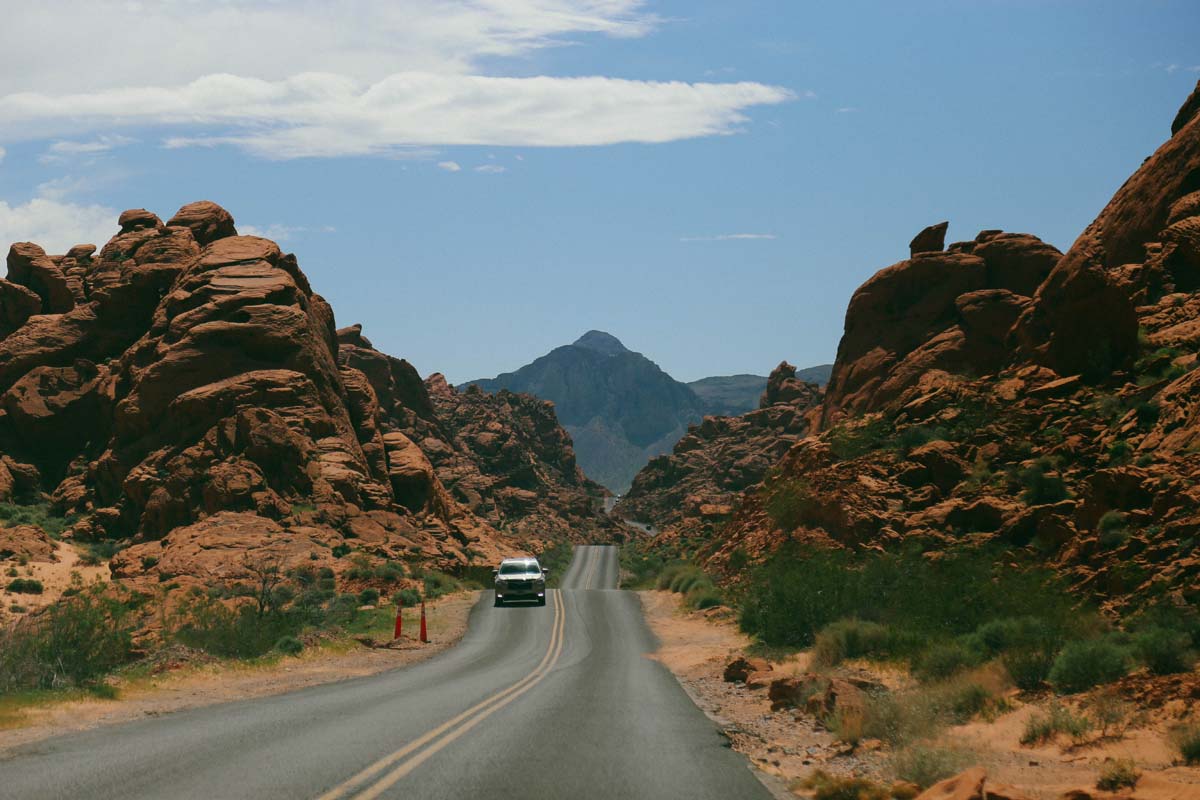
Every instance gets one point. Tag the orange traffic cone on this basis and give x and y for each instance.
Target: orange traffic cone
(424, 632)
(399, 621)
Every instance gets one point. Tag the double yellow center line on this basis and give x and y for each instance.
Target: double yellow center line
(415, 753)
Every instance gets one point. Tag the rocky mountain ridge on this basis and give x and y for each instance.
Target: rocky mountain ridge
(620, 408)
(185, 394)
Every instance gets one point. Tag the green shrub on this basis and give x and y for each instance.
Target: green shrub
(1084, 664)
(703, 596)
(790, 504)
(1164, 651)
(1119, 773)
(289, 645)
(25, 586)
(854, 440)
(668, 575)
(851, 638)
(1113, 530)
(1029, 667)
(340, 550)
(1040, 486)
(1003, 635)
(1042, 727)
(900, 718)
(1186, 739)
(925, 765)
(944, 659)
(40, 515)
(73, 643)
(409, 597)
(368, 597)
(438, 584)
(1119, 452)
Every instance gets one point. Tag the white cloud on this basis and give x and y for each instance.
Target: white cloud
(323, 114)
(729, 237)
(449, 166)
(56, 224)
(847, 110)
(362, 39)
(308, 78)
(491, 169)
(3, 153)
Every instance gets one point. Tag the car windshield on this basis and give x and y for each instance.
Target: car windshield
(519, 568)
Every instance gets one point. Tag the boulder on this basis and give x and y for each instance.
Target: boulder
(206, 220)
(740, 668)
(929, 240)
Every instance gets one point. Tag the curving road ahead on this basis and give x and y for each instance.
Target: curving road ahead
(551, 702)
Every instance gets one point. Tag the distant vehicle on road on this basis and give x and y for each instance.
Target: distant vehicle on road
(520, 579)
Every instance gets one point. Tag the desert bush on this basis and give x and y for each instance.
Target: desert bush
(944, 659)
(669, 573)
(851, 638)
(1186, 739)
(25, 586)
(925, 765)
(72, 643)
(1083, 664)
(368, 597)
(836, 787)
(1119, 452)
(998, 636)
(1111, 714)
(289, 645)
(851, 441)
(1040, 486)
(900, 718)
(438, 584)
(1117, 773)
(1113, 530)
(409, 597)
(790, 504)
(702, 596)
(1042, 727)
(685, 579)
(640, 567)
(1164, 651)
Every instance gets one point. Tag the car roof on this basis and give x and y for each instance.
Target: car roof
(521, 560)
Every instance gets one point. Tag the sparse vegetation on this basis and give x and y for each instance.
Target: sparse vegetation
(1163, 650)
(1041, 485)
(790, 504)
(1113, 530)
(1119, 773)
(40, 515)
(925, 765)
(1058, 719)
(837, 787)
(25, 586)
(1186, 739)
(851, 638)
(73, 643)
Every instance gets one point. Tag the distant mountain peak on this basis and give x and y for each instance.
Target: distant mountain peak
(601, 342)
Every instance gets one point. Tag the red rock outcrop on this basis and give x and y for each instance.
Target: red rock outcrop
(185, 393)
(1000, 390)
(704, 476)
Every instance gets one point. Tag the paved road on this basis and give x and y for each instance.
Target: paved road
(552, 702)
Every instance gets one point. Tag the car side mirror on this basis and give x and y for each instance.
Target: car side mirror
(545, 570)
(496, 571)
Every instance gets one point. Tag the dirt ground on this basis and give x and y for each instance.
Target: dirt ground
(696, 646)
(220, 682)
(55, 577)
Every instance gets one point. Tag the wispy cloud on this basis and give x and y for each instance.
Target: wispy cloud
(64, 149)
(449, 166)
(3, 153)
(491, 169)
(847, 110)
(324, 114)
(282, 233)
(728, 237)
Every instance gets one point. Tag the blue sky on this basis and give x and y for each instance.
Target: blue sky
(712, 194)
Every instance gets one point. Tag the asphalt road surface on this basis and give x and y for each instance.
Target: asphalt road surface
(551, 702)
